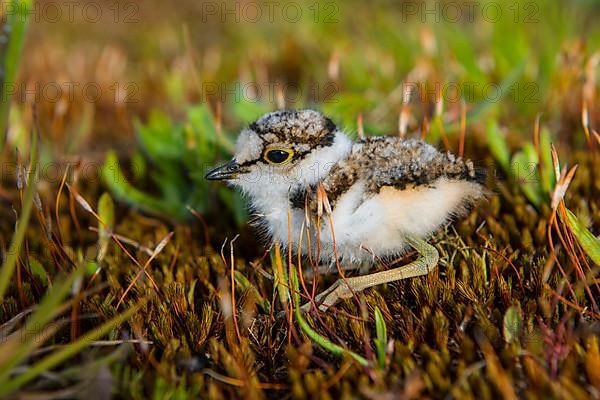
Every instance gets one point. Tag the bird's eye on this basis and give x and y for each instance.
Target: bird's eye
(278, 156)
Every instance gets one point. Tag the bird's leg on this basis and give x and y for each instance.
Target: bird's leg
(323, 269)
(343, 288)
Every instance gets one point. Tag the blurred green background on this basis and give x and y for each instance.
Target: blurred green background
(346, 58)
(99, 71)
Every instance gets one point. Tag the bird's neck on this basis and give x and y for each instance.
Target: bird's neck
(275, 194)
(272, 199)
(318, 163)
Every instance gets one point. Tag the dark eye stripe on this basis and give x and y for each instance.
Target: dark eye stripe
(296, 156)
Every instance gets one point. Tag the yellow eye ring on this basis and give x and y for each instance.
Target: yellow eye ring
(278, 155)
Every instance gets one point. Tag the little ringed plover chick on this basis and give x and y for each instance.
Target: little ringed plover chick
(373, 198)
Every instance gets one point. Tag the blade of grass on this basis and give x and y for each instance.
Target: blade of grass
(115, 179)
(50, 361)
(106, 211)
(16, 26)
(279, 285)
(314, 335)
(498, 146)
(548, 178)
(481, 107)
(381, 341)
(35, 324)
(589, 243)
(525, 173)
(8, 266)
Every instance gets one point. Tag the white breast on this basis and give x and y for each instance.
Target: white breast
(365, 227)
(269, 191)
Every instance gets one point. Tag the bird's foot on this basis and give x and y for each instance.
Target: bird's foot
(339, 290)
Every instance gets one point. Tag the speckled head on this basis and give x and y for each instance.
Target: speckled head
(295, 126)
(282, 149)
(297, 130)
(284, 135)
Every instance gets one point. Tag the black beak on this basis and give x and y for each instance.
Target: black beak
(224, 172)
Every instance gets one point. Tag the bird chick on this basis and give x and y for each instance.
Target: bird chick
(379, 195)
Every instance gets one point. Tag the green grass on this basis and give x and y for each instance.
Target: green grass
(15, 28)
(122, 283)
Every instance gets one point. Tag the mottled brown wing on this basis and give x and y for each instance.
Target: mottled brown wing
(387, 161)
